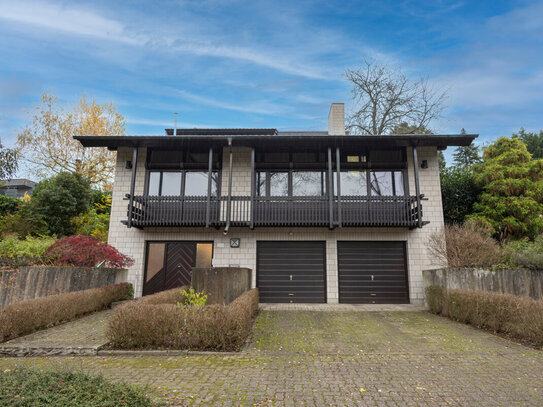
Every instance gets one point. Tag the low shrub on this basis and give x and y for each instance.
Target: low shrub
(26, 387)
(517, 317)
(85, 251)
(28, 316)
(17, 252)
(173, 296)
(166, 326)
(526, 253)
(192, 297)
(467, 245)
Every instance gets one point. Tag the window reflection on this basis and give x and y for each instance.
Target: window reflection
(155, 259)
(196, 183)
(154, 183)
(308, 183)
(168, 183)
(352, 183)
(261, 183)
(398, 183)
(278, 183)
(381, 183)
(171, 183)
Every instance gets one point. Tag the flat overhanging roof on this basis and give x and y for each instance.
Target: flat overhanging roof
(279, 139)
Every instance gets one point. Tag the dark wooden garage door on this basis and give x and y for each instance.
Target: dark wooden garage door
(372, 273)
(291, 272)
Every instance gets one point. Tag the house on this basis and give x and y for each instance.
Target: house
(16, 188)
(319, 216)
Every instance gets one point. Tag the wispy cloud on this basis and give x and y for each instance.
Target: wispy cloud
(84, 22)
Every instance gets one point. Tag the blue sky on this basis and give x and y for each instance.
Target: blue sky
(269, 63)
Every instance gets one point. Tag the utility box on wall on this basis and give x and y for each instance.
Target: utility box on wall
(221, 284)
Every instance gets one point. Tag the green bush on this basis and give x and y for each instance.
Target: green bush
(92, 223)
(14, 251)
(526, 253)
(28, 316)
(26, 387)
(8, 205)
(60, 198)
(24, 222)
(517, 317)
(192, 297)
(165, 326)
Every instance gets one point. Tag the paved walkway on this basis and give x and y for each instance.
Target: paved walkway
(342, 307)
(338, 358)
(80, 337)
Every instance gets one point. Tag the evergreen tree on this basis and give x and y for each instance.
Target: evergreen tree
(466, 156)
(512, 184)
(533, 141)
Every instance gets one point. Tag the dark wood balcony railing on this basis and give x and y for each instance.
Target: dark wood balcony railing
(382, 211)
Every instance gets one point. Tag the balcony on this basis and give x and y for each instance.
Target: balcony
(347, 211)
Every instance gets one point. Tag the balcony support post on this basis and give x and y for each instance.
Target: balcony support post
(132, 186)
(417, 185)
(338, 180)
(209, 181)
(330, 189)
(253, 186)
(229, 202)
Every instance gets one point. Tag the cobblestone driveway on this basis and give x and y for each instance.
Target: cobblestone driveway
(339, 358)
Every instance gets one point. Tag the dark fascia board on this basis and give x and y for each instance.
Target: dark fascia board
(441, 141)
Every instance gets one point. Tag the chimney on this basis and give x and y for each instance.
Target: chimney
(336, 120)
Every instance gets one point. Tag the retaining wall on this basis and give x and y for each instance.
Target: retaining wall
(519, 282)
(25, 283)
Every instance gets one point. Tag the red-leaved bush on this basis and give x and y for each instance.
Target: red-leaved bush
(85, 251)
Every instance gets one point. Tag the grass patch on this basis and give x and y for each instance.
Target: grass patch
(517, 318)
(27, 387)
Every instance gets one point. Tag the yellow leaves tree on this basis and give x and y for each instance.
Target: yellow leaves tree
(47, 142)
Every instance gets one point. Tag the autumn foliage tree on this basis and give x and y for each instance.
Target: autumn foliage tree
(512, 184)
(47, 141)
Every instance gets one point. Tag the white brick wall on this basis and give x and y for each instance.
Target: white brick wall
(132, 241)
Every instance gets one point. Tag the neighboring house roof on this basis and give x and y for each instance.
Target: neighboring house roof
(19, 182)
(256, 137)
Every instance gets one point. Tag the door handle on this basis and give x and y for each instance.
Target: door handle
(291, 277)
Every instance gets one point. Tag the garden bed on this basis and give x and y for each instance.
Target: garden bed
(164, 321)
(517, 318)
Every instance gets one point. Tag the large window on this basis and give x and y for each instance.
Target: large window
(386, 183)
(176, 183)
(291, 183)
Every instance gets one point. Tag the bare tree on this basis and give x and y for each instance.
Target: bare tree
(384, 98)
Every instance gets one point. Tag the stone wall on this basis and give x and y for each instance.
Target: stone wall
(519, 282)
(26, 283)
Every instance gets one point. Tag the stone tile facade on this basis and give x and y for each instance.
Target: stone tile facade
(132, 241)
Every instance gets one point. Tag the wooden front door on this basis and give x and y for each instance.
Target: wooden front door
(169, 264)
(180, 258)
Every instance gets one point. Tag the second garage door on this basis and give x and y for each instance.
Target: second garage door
(372, 273)
(291, 272)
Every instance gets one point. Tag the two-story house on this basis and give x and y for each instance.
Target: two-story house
(319, 216)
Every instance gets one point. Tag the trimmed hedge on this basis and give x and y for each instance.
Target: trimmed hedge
(151, 325)
(172, 296)
(517, 317)
(28, 316)
(26, 387)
